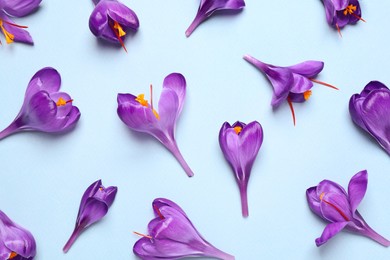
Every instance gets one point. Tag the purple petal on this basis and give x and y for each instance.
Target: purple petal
(375, 114)
(330, 231)
(357, 189)
(65, 109)
(355, 110)
(335, 207)
(94, 210)
(340, 4)
(313, 200)
(161, 202)
(41, 110)
(47, 79)
(327, 186)
(330, 12)
(300, 84)
(373, 85)
(308, 69)
(168, 109)
(19, 8)
(20, 35)
(107, 195)
(230, 146)
(89, 192)
(177, 83)
(251, 138)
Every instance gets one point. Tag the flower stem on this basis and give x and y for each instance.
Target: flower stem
(195, 23)
(11, 129)
(244, 201)
(172, 147)
(262, 66)
(73, 237)
(369, 232)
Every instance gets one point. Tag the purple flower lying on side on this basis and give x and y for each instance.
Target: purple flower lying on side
(111, 20)
(16, 8)
(293, 83)
(332, 203)
(94, 206)
(44, 109)
(15, 242)
(370, 110)
(140, 116)
(340, 13)
(173, 236)
(208, 7)
(240, 144)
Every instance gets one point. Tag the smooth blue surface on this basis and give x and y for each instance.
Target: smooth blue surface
(43, 177)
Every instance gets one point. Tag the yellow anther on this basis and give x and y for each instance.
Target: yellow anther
(119, 29)
(9, 37)
(307, 94)
(350, 9)
(322, 195)
(237, 129)
(141, 99)
(12, 255)
(61, 102)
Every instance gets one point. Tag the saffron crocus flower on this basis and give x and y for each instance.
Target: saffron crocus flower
(94, 206)
(293, 83)
(44, 109)
(16, 242)
(111, 20)
(370, 110)
(173, 236)
(340, 13)
(139, 115)
(332, 203)
(208, 7)
(240, 144)
(16, 8)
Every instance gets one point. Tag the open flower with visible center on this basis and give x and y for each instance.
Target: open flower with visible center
(208, 7)
(173, 236)
(332, 203)
(240, 144)
(111, 20)
(139, 115)
(94, 206)
(340, 13)
(44, 109)
(370, 110)
(16, 8)
(16, 243)
(293, 83)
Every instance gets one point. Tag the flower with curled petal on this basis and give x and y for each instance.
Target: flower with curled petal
(173, 236)
(139, 115)
(44, 109)
(16, 243)
(332, 203)
(240, 144)
(16, 8)
(209, 7)
(111, 20)
(293, 83)
(94, 206)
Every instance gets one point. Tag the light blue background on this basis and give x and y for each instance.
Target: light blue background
(43, 177)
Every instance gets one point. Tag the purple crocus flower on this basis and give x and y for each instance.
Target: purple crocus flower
(340, 13)
(173, 236)
(208, 7)
(16, 242)
(44, 108)
(370, 110)
(16, 8)
(240, 144)
(332, 203)
(139, 115)
(293, 83)
(94, 206)
(111, 20)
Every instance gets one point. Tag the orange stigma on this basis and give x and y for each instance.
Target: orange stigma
(142, 235)
(338, 29)
(119, 33)
(141, 99)
(323, 83)
(307, 94)
(158, 212)
(333, 206)
(237, 129)
(12, 255)
(350, 10)
(62, 102)
(291, 108)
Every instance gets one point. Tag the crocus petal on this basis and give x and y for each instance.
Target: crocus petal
(177, 83)
(300, 84)
(330, 231)
(93, 211)
(357, 189)
(47, 79)
(20, 35)
(161, 202)
(330, 11)
(340, 4)
(19, 8)
(373, 85)
(307, 69)
(313, 200)
(89, 192)
(327, 186)
(335, 207)
(355, 110)
(41, 109)
(251, 138)
(375, 114)
(62, 110)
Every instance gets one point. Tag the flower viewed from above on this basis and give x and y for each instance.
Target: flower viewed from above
(139, 115)
(340, 13)
(16, 8)
(111, 20)
(370, 110)
(293, 83)
(332, 203)
(173, 236)
(44, 109)
(240, 144)
(208, 7)
(16, 242)
(94, 206)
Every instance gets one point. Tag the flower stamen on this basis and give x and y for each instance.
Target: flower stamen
(119, 32)
(12, 255)
(338, 29)
(291, 108)
(63, 102)
(323, 83)
(158, 212)
(238, 129)
(142, 235)
(141, 99)
(307, 94)
(350, 9)
(334, 206)
(9, 37)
